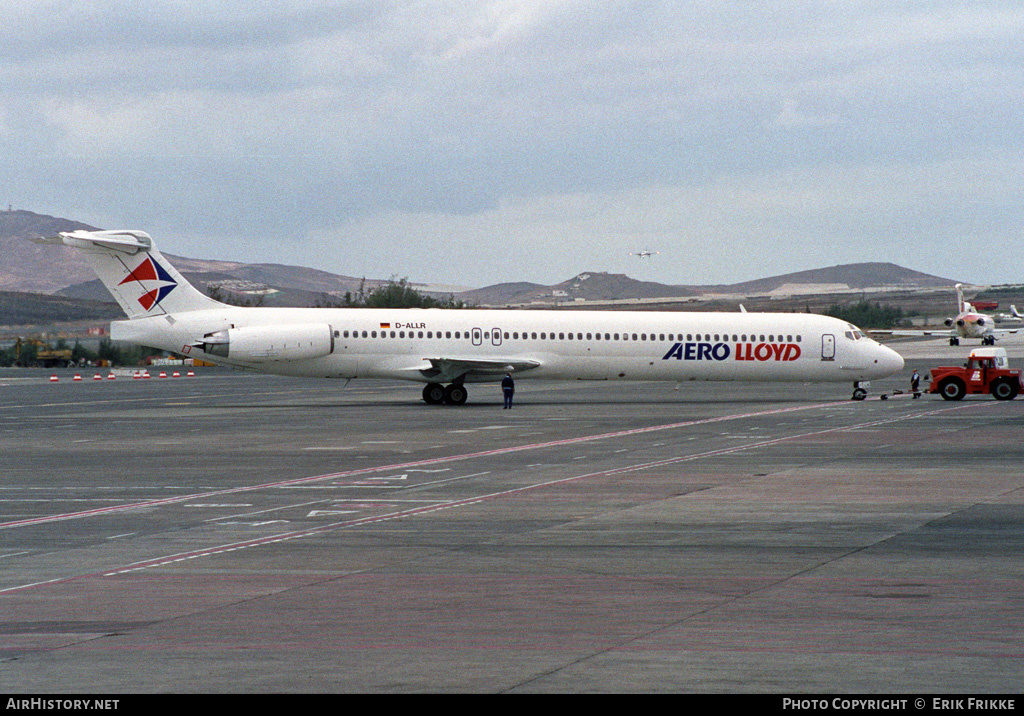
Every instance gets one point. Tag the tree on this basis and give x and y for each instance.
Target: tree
(81, 354)
(219, 293)
(121, 354)
(396, 293)
(869, 315)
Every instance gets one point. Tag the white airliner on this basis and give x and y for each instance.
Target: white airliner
(1013, 315)
(968, 323)
(447, 348)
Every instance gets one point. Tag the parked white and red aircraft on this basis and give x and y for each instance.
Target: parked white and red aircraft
(447, 348)
(968, 323)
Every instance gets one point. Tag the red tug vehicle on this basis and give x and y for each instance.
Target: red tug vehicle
(986, 371)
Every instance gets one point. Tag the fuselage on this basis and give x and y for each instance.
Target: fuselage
(446, 348)
(569, 344)
(970, 324)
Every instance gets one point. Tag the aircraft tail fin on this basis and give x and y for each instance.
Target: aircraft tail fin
(1014, 312)
(136, 274)
(961, 305)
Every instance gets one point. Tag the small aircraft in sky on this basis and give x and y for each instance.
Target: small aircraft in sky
(645, 254)
(447, 348)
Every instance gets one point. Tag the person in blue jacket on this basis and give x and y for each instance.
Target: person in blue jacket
(508, 387)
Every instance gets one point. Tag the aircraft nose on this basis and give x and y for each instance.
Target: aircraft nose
(891, 360)
(885, 361)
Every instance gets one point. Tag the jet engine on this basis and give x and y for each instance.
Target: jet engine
(265, 344)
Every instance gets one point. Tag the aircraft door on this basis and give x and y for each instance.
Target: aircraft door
(478, 337)
(496, 336)
(828, 347)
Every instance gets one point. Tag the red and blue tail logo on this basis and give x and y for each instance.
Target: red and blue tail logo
(150, 270)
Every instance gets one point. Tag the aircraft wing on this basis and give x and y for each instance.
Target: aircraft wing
(446, 370)
(936, 332)
(942, 332)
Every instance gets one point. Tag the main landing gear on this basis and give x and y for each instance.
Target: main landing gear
(435, 394)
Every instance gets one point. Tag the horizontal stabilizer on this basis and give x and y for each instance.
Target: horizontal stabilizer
(131, 268)
(129, 242)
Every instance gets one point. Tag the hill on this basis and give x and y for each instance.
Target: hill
(23, 309)
(596, 286)
(28, 267)
(33, 268)
(861, 276)
(587, 286)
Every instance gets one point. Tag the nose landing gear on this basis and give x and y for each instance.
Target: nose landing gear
(860, 390)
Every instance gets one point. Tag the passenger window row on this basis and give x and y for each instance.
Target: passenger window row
(563, 336)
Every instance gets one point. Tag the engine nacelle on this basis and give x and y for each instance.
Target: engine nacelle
(265, 344)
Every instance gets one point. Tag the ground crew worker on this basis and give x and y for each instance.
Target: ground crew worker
(508, 387)
(915, 384)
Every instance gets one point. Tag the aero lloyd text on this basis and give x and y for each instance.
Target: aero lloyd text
(744, 351)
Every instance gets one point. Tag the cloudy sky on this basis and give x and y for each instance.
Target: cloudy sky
(471, 143)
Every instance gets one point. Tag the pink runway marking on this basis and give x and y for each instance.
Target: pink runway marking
(473, 455)
(394, 466)
(412, 512)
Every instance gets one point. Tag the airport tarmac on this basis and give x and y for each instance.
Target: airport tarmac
(242, 533)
